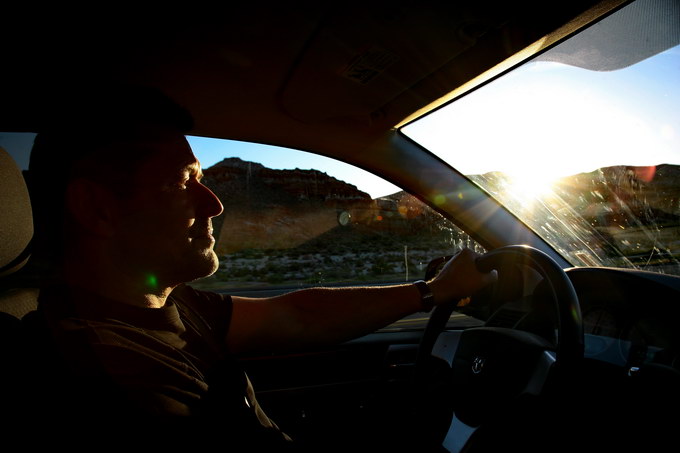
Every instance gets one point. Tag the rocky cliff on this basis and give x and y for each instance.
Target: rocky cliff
(266, 208)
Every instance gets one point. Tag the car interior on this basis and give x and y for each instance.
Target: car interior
(576, 345)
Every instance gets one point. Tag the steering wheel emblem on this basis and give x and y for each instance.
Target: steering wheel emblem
(478, 364)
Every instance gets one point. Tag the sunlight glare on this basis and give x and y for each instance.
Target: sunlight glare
(530, 184)
(523, 118)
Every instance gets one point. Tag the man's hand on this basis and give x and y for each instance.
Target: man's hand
(459, 278)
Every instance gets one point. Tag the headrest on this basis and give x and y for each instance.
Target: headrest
(16, 217)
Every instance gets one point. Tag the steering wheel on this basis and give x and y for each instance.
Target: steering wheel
(488, 368)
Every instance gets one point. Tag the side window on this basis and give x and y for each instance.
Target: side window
(294, 219)
(18, 145)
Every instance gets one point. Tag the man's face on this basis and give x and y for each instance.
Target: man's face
(164, 229)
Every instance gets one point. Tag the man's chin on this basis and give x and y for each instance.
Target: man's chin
(201, 267)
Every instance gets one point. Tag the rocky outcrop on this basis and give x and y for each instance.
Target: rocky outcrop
(267, 208)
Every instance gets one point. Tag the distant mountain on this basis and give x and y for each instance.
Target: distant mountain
(618, 210)
(266, 208)
(252, 184)
(617, 192)
(648, 194)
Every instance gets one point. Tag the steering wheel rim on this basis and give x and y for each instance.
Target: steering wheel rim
(570, 338)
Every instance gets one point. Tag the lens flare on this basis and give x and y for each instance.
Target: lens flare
(439, 199)
(152, 281)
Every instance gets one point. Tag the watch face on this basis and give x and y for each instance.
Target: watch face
(343, 218)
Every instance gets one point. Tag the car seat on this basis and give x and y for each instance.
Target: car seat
(16, 221)
(16, 297)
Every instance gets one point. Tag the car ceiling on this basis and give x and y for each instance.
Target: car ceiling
(326, 76)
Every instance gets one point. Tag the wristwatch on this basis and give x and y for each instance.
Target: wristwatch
(426, 296)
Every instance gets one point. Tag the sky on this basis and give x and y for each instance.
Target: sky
(210, 151)
(18, 145)
(562, 120)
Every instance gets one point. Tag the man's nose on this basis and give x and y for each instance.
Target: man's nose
(208, 205)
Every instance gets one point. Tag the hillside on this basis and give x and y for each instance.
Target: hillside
(266, 208)
(634, 211)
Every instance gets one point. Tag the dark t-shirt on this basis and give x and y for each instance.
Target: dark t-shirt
(116, 360)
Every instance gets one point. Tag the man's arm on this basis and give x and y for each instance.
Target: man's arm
(318, 316)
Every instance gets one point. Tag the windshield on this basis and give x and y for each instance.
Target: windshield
(582, 143)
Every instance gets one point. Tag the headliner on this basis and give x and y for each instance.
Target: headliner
(327, 76)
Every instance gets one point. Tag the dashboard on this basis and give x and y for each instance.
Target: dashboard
(630, 317)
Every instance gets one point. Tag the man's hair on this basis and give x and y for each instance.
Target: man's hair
(93, 136)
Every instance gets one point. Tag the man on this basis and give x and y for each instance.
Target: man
(130, 338)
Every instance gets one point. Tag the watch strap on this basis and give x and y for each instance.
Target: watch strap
(426, 296)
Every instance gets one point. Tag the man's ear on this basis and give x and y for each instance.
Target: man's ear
(92, 206)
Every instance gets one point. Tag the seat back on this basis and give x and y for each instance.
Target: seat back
(16, 235)
(16, 300)
(16, 217)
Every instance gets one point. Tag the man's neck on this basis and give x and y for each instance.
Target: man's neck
(116, 285)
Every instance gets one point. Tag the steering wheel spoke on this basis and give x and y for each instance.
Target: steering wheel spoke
(493, 367)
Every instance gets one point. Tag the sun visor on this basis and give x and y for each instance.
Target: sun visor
(618, 46)
(355, 65)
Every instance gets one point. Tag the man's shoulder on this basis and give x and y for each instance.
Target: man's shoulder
(202, 302)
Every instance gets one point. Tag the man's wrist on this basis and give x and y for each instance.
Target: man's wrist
(426, 296)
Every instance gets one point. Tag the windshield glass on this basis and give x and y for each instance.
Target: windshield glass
(582, 143)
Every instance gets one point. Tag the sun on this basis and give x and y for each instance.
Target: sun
(529, 184)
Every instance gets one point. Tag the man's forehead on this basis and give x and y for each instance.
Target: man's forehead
(173, 152)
